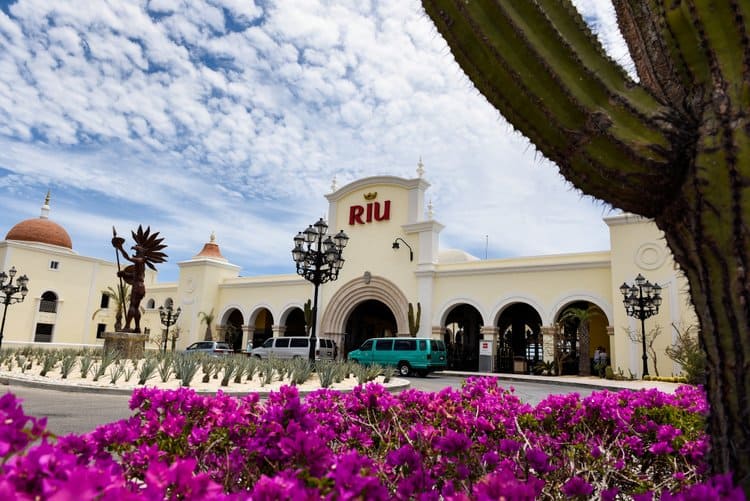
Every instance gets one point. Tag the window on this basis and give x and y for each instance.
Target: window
(168, 302)
(43, 333)
(150, 304)
(282, 342)
(100, 329)
(297, 342)
(54, 265)
(422, 345)
(268, 343)
(48, 304)
(105, 300)
(405, 345)
(437, 345)
(367, 346)
(384, 345)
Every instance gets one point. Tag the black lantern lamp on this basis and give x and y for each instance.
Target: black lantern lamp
(168, 318)
(317, 256)
(396, 246)
(12, 293)
(642, 300)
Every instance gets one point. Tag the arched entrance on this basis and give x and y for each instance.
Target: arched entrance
(295, 323)
(582, 328)
(368, 287)
(520, 339)
(369, 319)
(232, 327)
(462, 333)
(262, 326)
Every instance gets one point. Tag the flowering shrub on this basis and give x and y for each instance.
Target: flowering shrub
(479, 442)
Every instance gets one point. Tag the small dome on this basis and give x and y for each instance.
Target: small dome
(454, 256)
(41, 230)
(211, 250)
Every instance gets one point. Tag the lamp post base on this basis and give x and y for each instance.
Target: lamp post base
(128, 345)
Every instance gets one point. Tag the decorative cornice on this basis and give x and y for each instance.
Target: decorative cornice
(422, 227)
(409, 184)
(625, 218)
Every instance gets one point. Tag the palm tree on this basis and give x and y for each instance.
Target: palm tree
(207, 318)
(672, 145)
(121, 296)
(581, 317)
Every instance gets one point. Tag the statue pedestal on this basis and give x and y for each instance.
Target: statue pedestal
(128, 344)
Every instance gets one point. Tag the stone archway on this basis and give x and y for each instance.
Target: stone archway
(355, 292)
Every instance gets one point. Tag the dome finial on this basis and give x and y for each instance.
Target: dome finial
(45, 207)
(213, 237)
(334, 185)
(420, 167)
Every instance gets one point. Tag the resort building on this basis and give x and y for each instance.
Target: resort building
(503, 315)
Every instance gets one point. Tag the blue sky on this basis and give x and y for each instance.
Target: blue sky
(232, 116)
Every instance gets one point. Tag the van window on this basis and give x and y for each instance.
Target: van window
(437, 345)
(384, 345)
(282, 342)
(422, 345)
(328, 343)
(367, 346)
(405, 345)
(297, 342)
(268, 343)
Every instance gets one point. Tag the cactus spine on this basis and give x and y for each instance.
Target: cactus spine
(414, 319)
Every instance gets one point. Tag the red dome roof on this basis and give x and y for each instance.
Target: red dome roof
(40, 230)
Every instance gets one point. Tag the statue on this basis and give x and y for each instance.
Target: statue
(147, 249)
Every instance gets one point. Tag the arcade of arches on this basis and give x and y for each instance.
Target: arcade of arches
(520, 340)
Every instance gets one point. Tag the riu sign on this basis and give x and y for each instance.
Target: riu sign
(371, 211)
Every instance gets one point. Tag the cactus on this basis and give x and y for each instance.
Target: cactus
(673, 146)
(414, 320)
(308, 316)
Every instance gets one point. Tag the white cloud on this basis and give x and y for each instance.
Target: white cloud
(224, 115)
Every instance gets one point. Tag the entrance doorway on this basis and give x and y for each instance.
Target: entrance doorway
(369, 319)
(462, 334)
(233, 333)
(520, 341)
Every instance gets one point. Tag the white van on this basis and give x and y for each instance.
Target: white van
(295, 347)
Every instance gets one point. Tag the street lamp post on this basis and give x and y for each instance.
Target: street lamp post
(318, 259)
(11, 293)
(168, 318)
(642, 300)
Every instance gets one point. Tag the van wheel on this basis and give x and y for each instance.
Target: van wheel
(403, 368)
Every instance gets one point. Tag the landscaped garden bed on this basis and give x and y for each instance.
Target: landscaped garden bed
(479, 442)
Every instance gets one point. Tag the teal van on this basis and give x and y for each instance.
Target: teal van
(406, 354)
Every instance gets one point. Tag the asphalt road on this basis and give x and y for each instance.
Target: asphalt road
(72, 412)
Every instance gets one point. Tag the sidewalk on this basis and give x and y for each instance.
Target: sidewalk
(579, 381)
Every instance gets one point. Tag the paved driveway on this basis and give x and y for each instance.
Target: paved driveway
(72, 412)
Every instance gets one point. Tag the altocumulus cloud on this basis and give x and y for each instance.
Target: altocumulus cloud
(234, 116)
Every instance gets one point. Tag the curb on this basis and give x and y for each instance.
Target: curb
(395, 386)
(574, 381)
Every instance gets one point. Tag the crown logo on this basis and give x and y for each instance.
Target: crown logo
(371, 196)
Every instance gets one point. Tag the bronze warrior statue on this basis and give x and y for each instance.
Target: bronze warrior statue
(147, 250)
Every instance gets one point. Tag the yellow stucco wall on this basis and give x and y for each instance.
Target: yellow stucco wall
(439, 279)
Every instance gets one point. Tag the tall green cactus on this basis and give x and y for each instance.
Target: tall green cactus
(414, 320)
(308, 316)
(674, 146)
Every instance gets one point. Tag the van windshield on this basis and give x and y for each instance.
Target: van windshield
(268, 343)
(366, 347)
